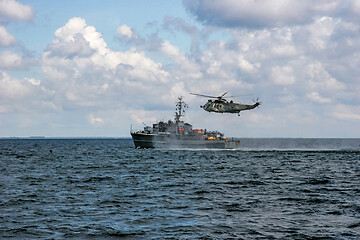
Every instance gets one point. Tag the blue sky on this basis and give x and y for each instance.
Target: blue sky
(91, 68)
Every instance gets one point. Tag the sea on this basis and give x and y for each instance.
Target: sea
(107, 189)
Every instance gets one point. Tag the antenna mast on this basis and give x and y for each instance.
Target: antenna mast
(180, 109)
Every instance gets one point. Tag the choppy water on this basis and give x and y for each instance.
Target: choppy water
(106, 189)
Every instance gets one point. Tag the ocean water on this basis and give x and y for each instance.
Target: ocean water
(106, 189)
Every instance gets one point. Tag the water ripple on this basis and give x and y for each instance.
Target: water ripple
(106, 189)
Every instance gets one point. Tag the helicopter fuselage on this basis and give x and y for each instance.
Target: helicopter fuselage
(224, 106)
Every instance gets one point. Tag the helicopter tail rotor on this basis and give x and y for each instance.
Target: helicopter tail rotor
(257, 102)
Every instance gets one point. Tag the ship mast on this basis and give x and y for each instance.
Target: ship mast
(180, 110)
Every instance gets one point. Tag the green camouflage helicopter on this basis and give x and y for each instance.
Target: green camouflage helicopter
(221, 105)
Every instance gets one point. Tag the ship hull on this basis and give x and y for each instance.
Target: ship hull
(147, 140)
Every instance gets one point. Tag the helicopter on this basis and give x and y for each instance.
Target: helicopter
(221, 105)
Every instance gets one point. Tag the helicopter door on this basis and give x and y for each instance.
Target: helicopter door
(221, 107)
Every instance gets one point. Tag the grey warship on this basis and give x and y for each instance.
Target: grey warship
(179, 134)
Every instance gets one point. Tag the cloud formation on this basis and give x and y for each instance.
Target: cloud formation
(263, 13)
(13, 10)
(95, 120)
(301, 58)
(6, 39)
(86, 72)
(286, 65)
(10, 59)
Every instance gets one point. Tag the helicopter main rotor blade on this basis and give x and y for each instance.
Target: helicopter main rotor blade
(201, 95)
(242, 95)
(222, 95)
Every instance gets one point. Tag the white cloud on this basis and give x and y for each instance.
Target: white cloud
(319, 78)
(75, 29)
(345, 112)
(85, 72)
(285, 96)
(316, 98)
(6, 38)
(145, 117)
(11, 9)
(259, 117)
(184, 64)
(170, 49)
(24, 96)
(129, 36)
(177, 90)
(33, 81)
(10, 59)
(76, 47)
(260, 13)
(125, 30)
(284, 51)
(72, 27)
(283, 75)
(3, 109)
(11, 88)
(95, 120)
(321, 30)
(245, 65)
(77, 38)
(347, 115)
(354, 7)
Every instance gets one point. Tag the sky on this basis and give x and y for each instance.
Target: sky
(99, 68)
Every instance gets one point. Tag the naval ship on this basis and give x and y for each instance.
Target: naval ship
(179, 134)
